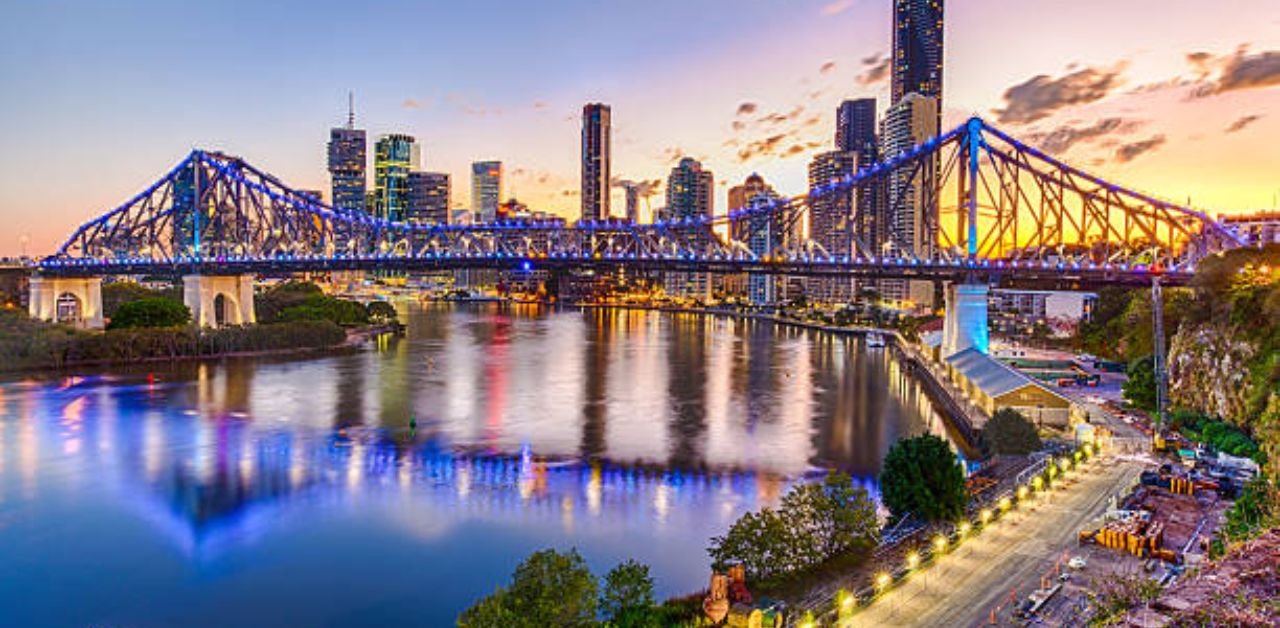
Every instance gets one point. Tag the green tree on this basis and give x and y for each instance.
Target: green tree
(548, 589)
(271, 303)
(118, 293)
(382, 313)
(922, 476)
(1009, 432)
(814, 523)
(150, 312)
(627, 598)
(1140, 387)
(319, 307)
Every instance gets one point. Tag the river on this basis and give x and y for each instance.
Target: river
(268, 491)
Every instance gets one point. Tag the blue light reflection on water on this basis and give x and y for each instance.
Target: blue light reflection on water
(222, 495)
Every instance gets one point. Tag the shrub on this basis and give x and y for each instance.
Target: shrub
(150, 312)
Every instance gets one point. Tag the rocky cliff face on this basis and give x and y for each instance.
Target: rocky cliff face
(1209, 371)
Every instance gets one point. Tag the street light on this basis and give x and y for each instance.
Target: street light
(965, 528)
(985, 515)
(883, 581)
(913, 560)
(939, 544)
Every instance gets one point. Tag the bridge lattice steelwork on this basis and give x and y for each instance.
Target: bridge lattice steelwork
(980, 204)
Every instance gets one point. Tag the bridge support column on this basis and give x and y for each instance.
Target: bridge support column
(217, 300)
(76, 301)
(966, 321)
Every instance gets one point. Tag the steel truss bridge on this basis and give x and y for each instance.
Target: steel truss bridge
(989, 209)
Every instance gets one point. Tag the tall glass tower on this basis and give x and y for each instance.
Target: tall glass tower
(486, 190)
(347, 163)
(917, 49)
(595, 161)
(393, 160)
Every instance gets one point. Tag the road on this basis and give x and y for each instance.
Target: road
(1011, 555)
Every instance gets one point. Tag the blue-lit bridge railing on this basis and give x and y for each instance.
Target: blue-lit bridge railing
(987, 207)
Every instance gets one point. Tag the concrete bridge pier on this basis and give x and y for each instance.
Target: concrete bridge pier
(965, 325)
(218, 300)
(75, 301)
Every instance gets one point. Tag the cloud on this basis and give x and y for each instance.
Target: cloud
(410, 103)
(875, 69)
(747, 108)
(539, 105)
(674, 153)
(644, 188)
(761, 147)
(1239, 71)
(837, 7)
(1242, 122)
(1131, 151)
(795, 149)
(1061, 139)
(1042, 95)
(569, 192)
(828, 67)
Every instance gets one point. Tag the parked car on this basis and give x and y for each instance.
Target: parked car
(1077, 562)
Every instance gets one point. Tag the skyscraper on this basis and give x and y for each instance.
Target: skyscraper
(486, 190)
(856, 128)
(347, 163)
(912, 194)
(633, 201)
(428, 201)
(394, 157)
(690, 194)
(917, 49)
(595, 161)
(831, 219)
(763, 233)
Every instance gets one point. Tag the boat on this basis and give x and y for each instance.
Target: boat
(875, 340)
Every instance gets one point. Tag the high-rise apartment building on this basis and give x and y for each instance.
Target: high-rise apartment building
(917, 49)
(831, 217)
(762, 233)
(690, 194)
(395, 156)
(486, 190)
(911, 210)
(428, 198)
(347, 163)
(595, 161)
(856, 129)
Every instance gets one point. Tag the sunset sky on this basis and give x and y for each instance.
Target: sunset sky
(1180, 98)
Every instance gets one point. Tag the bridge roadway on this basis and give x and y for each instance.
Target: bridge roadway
(1024, 274)
(1011, 556)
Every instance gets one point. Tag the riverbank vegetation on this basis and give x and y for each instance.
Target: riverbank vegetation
(153, 324)
(28, 344)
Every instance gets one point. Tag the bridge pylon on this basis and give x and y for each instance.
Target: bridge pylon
(965, 325)
(75, 301)
(219, 300)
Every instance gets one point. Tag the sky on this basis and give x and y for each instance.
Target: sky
(1179, 98)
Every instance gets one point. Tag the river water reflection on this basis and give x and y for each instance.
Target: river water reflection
(267, 492)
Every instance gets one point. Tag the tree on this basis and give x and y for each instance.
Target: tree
(921, 476)
(1140, 387)
(1009, 432)
(814, 523)
(547, 589)
(150, 312)
(319, 307)
(118, 293)
(382, 313)
(627, 599)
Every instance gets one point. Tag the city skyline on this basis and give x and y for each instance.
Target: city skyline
(1165, 118)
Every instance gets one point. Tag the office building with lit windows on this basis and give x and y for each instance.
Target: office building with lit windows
(917, 49)
(831, 220)
(486, 190)
(395, 156)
